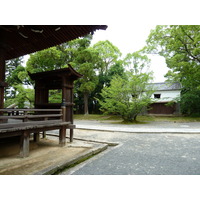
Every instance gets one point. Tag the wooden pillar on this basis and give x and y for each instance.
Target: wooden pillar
(71, 115)
(2, 77)
(62, 131)
(67, 94)
(24, 145)
(62, 136)
(36, 137)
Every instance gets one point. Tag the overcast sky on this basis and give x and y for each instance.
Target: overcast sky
(130, 38)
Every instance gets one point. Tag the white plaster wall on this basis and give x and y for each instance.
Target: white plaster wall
(167, 95)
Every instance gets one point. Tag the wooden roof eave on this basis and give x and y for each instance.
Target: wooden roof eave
(68, 72)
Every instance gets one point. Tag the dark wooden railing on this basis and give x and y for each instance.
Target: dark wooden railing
(34, 121)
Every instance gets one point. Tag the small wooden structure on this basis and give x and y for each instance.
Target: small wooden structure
(56, 79)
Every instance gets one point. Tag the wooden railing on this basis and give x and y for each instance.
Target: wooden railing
(28, 114)
(34, 121)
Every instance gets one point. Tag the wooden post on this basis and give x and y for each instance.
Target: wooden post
(24, 145)
(62, 136)
(36, 137)
(63, 107)
(2, 77)
(44, 132)
(71, 135)
(62, 132)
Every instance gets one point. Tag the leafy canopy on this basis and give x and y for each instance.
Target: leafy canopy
(180, 46)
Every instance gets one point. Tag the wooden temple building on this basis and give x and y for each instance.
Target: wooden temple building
(16, 41)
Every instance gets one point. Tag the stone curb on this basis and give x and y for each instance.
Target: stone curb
(54, 169)
(88, 140)
(143, 132)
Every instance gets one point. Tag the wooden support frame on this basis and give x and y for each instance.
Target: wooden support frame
(2, 77)
(24, 144)
(62, 136)
(33, 124)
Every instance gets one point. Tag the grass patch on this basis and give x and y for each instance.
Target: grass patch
(180, 119)
(97, 117)
(140, 119)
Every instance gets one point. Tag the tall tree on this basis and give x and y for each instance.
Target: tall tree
(180, 46)
(86, 62)
(128, 96)
(109, 59)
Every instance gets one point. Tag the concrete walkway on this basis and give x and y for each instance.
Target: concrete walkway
(148, 127)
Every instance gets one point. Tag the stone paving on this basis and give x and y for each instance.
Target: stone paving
(174, 152)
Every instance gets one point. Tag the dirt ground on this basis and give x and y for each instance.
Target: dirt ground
(42, 155)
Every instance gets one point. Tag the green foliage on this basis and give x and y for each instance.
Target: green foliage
(45, 60)
(14, 69)
(108, 53)
(190, 102)
(136, 62)
(23, 96)
(15, 78)
(180, 46)
(126, 97)
(55, 96)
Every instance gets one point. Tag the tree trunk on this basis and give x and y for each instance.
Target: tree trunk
(86, 112)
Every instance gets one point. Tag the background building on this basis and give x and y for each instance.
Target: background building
(165, 93)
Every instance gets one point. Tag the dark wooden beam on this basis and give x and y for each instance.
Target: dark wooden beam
(2, 77)
(2, 68)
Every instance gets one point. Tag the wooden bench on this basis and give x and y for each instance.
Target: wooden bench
(34, 123)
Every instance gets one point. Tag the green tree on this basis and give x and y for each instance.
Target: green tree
(180, 46)
(128, 96)
(22, 97)
(14, 69)
(86, 62)
(45, 60)
(109, 64)
(108, 53)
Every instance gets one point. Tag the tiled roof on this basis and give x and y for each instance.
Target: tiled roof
(164, 86)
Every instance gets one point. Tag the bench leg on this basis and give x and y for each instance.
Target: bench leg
(44, 134)
(62, 136)
(24, 145)
(36, 137)
(71, 135)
